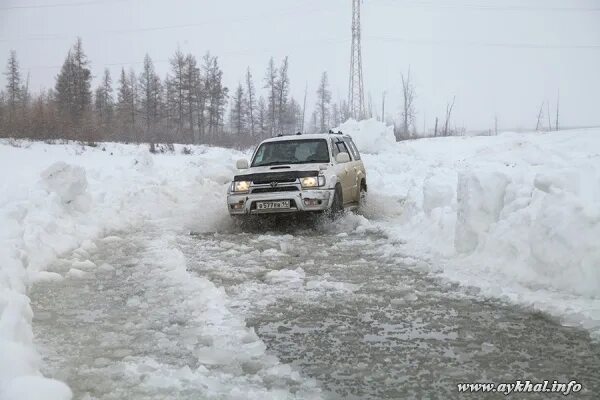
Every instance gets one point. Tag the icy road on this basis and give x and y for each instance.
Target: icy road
(476, 260)
(337, 315)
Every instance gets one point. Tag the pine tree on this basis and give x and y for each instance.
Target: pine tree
(13, 94)
(104, 101)
(3, 117)
(150, 96)
(323, 101)
(126, 102)
(217, 97)
(293, 116)
(73, 83)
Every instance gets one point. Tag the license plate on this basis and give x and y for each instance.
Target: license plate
(269, 205)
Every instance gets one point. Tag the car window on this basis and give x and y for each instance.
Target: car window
(334, 148)
(292, 152)
(339, 147)
(353, 149)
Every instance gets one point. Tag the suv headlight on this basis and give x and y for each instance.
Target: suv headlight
(312, 181)
(240, 186)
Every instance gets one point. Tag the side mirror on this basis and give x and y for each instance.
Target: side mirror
(342, 158)
(242, 164)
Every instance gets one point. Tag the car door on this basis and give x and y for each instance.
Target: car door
(346, 173)
(357, 166)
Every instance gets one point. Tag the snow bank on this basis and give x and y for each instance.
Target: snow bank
(57, 197)
(369, 135)
(517, 215)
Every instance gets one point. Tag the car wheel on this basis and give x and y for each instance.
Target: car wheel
(338, 201)
(362, 195)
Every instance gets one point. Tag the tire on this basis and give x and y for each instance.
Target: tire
(362, 195)
(337, 206)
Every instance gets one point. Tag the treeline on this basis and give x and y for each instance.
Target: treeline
(189, 105)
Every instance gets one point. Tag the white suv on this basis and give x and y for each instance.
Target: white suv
(299, 173)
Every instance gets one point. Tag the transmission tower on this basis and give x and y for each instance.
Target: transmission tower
(356, 97)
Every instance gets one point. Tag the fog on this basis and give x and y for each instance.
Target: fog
(499, 58)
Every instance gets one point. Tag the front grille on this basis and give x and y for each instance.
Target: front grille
(279, 177)
(275, 189)
(278, 180)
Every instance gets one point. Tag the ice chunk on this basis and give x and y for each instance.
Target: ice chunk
(76, 273)
(286, 276)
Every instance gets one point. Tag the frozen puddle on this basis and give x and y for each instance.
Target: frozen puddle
(129, 321)
(367, 322)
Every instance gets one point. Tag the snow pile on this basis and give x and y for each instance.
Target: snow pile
(67, 181)
(369, 135)
(57, 197)
(517, 215)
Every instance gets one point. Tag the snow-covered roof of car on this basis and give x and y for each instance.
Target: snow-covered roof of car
(303, 136)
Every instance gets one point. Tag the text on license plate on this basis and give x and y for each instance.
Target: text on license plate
(267, 205)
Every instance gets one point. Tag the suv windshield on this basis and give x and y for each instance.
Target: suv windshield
(302, 151)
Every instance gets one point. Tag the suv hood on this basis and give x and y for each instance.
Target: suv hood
(283, 168)
(267, 174)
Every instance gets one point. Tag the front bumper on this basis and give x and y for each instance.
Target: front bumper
(300, 201)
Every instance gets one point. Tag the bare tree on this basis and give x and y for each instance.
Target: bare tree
(283, 86)
(496, 124)
(304, 108)
(271, 86)
(449, 108)
(383, 107)
(557, 104)
(408, 109)
(261, 120)
(323, 101)
(549, 116)
(250, 100)
(237, 110)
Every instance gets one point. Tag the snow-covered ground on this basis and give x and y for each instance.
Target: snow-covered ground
(516, 215)
(57, 198)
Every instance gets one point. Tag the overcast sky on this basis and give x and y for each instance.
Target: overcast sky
(498, 57)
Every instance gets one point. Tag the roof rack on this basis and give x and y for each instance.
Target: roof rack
(331, 132)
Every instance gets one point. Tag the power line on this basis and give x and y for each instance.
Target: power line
(290, 46)
(58, 5)
(212, 21)
(430, 42)
(481, 7)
